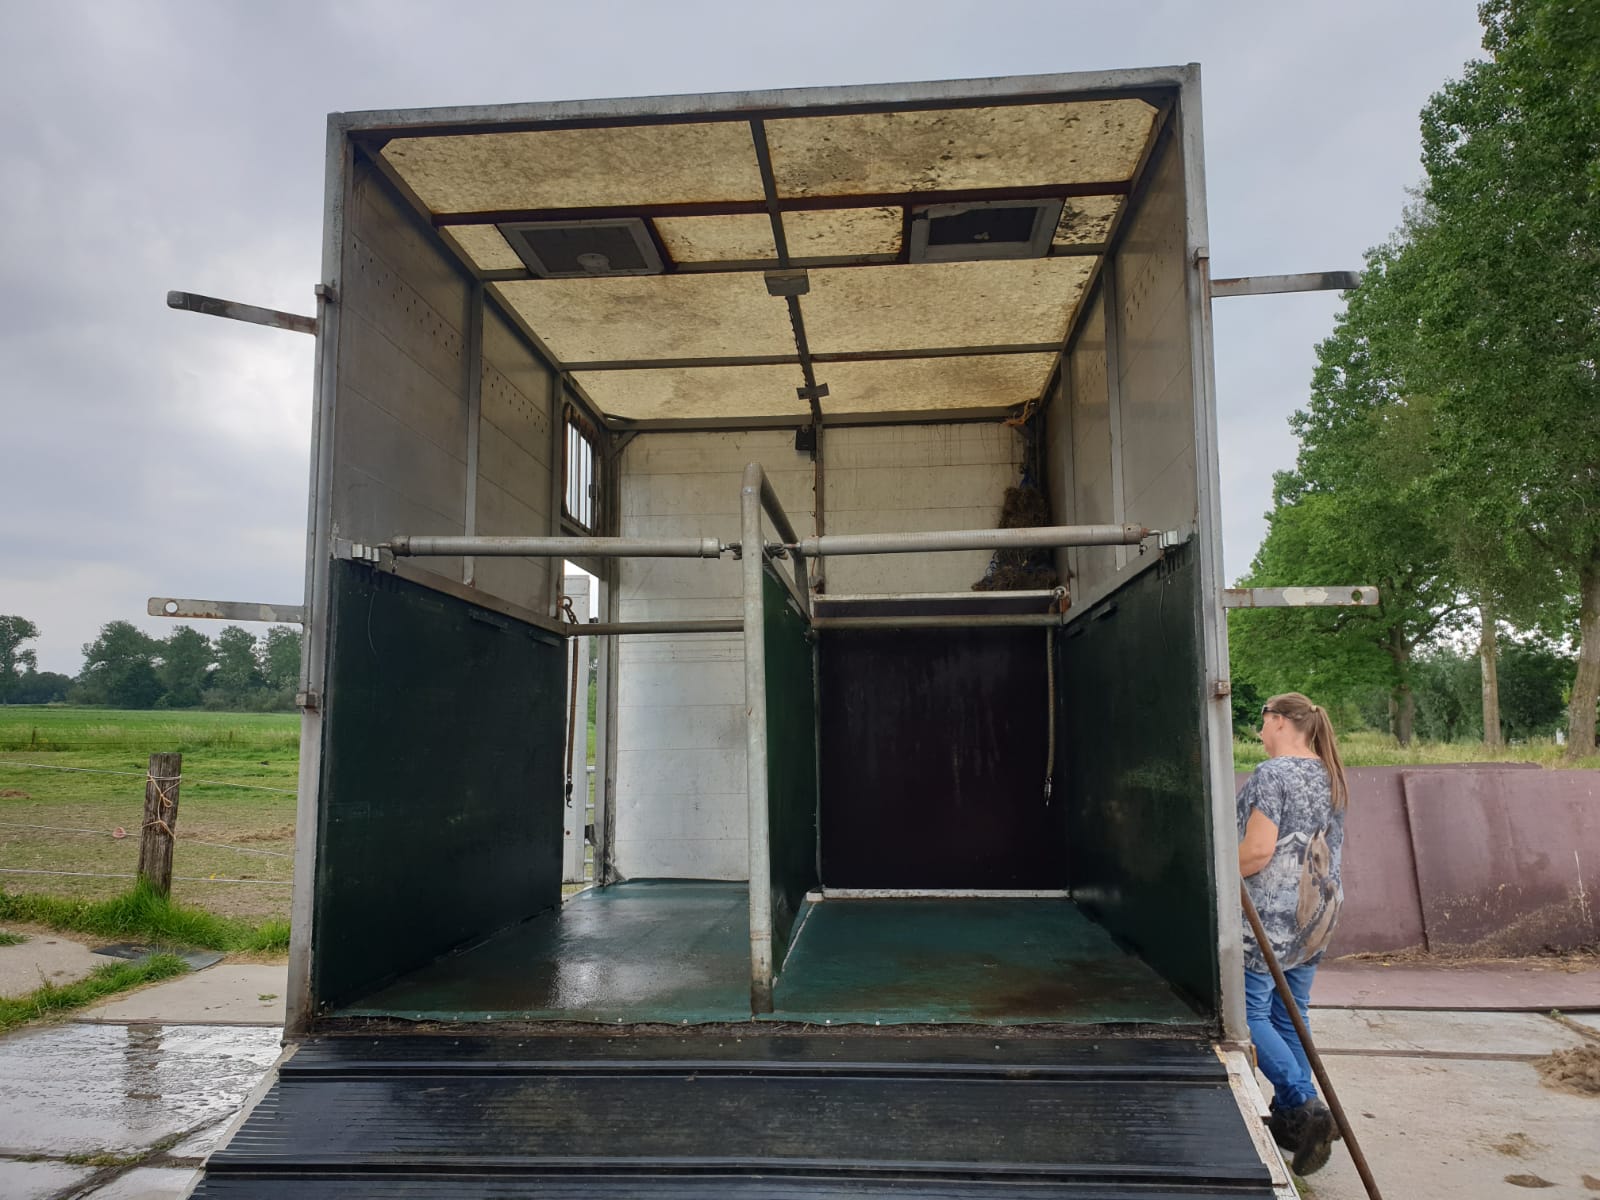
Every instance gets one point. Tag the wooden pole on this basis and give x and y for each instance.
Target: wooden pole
(160, 820)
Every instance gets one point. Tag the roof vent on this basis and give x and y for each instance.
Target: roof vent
(996, 229)
(568, 249)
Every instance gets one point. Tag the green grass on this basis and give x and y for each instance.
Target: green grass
(225, 830)
(12, 939)
(140, 914)
(102, 982)
(1369, 749)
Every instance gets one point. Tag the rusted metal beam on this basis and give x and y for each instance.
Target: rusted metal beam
(1300, 597)
(225, 610)
(212, 307)
(735, 208)
(838, 356)
(1267, 285)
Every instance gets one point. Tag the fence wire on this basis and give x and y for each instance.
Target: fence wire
(191, 781)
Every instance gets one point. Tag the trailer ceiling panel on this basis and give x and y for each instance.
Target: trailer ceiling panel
(843, 231)
(913, 385)
(1086, 220)
(653, 317)
(486, 247)
(574, 168)
(1025, 145)
(696, 392)
(718, 239)
(928, 305)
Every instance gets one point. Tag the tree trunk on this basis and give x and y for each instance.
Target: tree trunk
(1488, 661)
(1402, 702)
(1586, 685)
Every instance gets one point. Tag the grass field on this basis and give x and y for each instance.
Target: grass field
(236, 806)
(1368, 749)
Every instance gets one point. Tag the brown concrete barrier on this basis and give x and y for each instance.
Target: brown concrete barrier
(1470, 858)
(1507, 862)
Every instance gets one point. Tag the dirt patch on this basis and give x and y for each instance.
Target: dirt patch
(1581, 958)
(1515, 1145)
(1575, 1071)
(1590, 1182)
(284, 833)
(1528, 1181)
(14, 794)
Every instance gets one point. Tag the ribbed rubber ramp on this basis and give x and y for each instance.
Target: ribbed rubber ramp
(776, 1117)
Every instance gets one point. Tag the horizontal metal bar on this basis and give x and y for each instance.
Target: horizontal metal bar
(1037, 538)
(450, 546)
(828, 893)
(947, 621)
(1043, 595)
(1300, 597)
(732, 208)
(919, 416)
(212, 307)
(225, 610)
(632, 628)
(1267, 285)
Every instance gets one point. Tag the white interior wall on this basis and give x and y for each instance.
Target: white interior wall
(401, 414)
(913, 478)
(681, 794)
(1122, 435)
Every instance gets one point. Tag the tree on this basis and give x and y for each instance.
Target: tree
(119, 668)
(41, 687)
(186, 661)
(14, 660)
(280, 658)
(1499, 316)
(238, 672)
(1357, 509)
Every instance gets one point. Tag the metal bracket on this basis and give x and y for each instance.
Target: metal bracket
(226, 610)
(271, 317)
(366, 552)
(1267, 285)
(1169, 539)
(1300, 597)
(309, 701)
(788, 283)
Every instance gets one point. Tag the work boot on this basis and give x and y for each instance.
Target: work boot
(1314, 1131)
(1282, 1129)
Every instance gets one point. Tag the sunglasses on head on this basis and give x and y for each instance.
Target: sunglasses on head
(1267, 708)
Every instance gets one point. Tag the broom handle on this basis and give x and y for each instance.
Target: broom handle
(1309, 1047)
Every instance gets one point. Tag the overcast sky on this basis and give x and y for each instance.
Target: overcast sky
(148, 146)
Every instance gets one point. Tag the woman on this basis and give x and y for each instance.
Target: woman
(1291, 834)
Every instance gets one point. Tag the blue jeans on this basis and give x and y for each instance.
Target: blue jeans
(1278, 1048)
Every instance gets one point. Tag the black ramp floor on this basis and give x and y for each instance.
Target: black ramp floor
(721, 1115)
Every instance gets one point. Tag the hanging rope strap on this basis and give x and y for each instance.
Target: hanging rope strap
(1050, 695)
(572, 697)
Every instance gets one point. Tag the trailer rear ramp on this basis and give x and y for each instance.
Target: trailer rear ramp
(737, 1114)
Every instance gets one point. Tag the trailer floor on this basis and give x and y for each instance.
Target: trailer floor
(678, 952)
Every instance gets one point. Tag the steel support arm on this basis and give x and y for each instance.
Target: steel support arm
(430, 546)
(1038, 538)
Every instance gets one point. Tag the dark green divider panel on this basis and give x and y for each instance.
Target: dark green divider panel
(791, 759)
(442, 781)
(1131, 733)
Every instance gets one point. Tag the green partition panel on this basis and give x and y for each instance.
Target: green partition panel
(1131, 733)
(791, 758)
(441, 794)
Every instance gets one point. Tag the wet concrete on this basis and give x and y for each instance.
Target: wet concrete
(44, 958)
(121, 1089)
(227, 994)
(39, 1180)
(147, 1183)
(1446, 1128)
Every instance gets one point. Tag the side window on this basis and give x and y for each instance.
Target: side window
(582, 473)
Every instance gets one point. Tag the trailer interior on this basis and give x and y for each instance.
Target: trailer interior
(887, 885)
(936, 804)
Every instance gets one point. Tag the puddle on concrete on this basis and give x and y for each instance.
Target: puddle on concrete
(86, 1089)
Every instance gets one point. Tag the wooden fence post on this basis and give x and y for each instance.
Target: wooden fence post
(160, 820)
